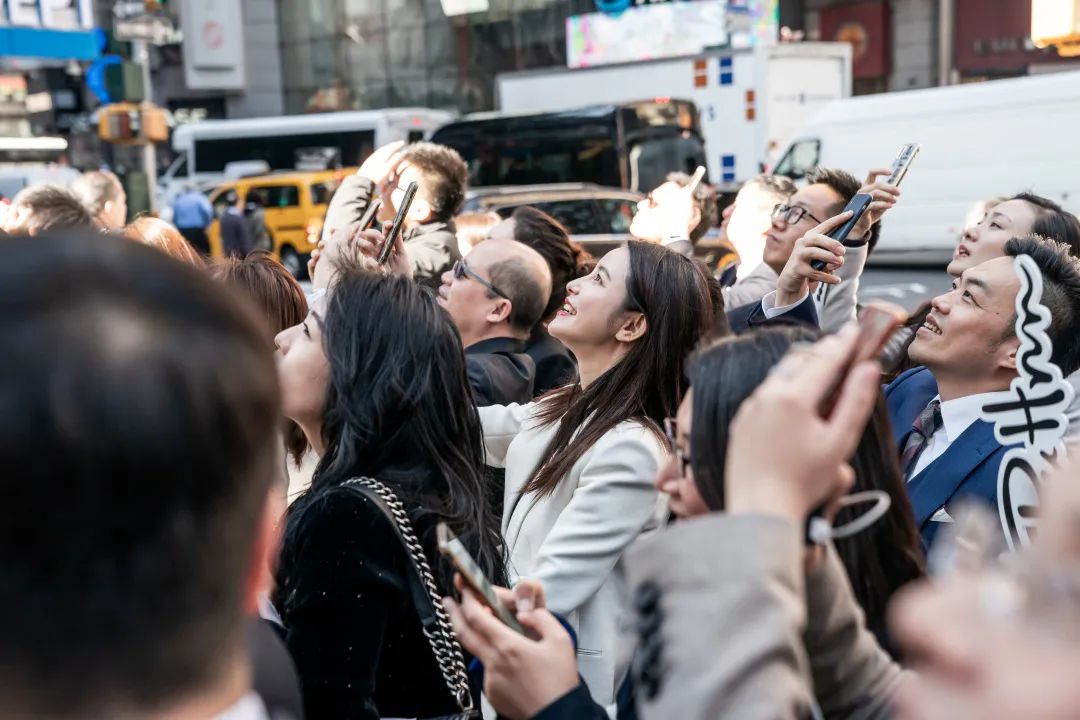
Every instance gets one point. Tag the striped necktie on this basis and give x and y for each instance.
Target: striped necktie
(924, 427)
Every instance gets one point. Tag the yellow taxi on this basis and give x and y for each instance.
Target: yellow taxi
(292, 206)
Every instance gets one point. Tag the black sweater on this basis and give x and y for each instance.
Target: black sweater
(350, 624)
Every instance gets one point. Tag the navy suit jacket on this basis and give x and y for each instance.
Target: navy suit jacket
(968, 469)
(752, 315)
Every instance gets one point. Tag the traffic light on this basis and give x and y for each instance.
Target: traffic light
(131, 124)
(124, 82)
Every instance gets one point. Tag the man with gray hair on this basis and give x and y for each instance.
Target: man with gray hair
(495, 298)
(104, 198)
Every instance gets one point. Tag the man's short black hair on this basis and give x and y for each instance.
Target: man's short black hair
(1061, 294)
(841, 182)
(527, 296)
(50, 208)
(445, 174)
(704, 198)
(138, 410)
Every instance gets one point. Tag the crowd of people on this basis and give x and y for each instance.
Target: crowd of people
(638, 451)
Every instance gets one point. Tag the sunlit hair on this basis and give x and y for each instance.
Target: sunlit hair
(473, 227)
(96, 188)
(161, 235)
(279, 299)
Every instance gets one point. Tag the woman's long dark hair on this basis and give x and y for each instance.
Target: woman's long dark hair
(399, 408)
(677, 298)
(878, 560)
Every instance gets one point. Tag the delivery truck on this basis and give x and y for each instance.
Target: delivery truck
(980, 141)
(751, 102)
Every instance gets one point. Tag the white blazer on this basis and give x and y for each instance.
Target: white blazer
(573, 540)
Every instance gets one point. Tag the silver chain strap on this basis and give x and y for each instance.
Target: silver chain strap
(443, 642)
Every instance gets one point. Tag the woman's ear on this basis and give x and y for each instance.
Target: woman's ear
(633, 328)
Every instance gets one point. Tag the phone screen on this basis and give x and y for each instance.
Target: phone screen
(903, 162)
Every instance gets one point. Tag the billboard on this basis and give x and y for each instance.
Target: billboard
(671, 29)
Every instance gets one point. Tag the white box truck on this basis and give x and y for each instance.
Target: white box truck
(752, 102)
(979, 141)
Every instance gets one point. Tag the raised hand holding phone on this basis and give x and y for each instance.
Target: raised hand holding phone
(812, 249)
(398, 225)
(873, 199)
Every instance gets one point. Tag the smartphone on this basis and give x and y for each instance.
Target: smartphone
(473, 576)
(369, 215)
(860, 202)
(696, 179)
(876, 326)
(399, 222)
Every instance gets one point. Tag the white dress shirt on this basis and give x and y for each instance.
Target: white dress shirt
(956, 416)
(769, 307)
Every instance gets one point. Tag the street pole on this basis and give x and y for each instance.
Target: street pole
(946, 31)
(141, 50)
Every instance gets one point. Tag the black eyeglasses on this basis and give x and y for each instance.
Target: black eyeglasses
(791, 214)
(461, 270)
(673, 443)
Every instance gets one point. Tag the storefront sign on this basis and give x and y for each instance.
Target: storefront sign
(865, 26)
(213, 44)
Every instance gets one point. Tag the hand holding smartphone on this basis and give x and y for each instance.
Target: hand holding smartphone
(861, 202)
(474, 577)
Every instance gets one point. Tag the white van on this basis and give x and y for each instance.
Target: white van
(206, 149)
(978, 141)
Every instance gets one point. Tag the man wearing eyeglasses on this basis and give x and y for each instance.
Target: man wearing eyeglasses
(495, 298)
(791, 245)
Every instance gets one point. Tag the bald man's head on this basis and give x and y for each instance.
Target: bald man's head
(520, 272)
(501, 290)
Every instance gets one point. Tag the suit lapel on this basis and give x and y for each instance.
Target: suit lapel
(932, 488)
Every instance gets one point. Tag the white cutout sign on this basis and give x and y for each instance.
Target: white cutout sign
(1031, 412)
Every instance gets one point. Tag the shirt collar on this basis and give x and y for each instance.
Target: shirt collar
(958, 414)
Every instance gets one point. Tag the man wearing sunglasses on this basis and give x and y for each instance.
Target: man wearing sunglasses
(495, 298)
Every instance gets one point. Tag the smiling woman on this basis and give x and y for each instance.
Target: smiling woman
(580, 462)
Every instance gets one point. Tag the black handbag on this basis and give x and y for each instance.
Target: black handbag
(425, 598)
